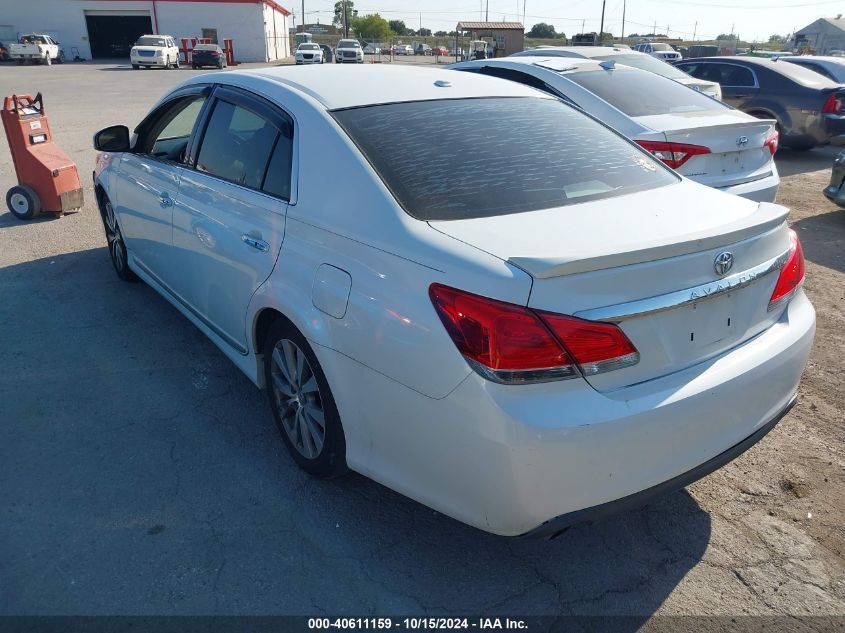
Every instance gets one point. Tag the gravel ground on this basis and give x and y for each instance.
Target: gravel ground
(140, 473)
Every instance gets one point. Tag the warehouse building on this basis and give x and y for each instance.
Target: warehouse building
(106, 29)
(824, 36)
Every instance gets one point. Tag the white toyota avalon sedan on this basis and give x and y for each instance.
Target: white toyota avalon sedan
(542, 326)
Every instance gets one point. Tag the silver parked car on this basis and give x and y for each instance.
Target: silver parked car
(697, 136)
(629, 58)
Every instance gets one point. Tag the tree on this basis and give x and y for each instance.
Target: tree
(372, 27)
(398, 27)
(351, 13)
(424, 32)
(724, 36)
(776, 39)
(440, 34)
(542, 30)
(606, 37)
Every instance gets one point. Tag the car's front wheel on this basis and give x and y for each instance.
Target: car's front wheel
(302, 403)
(114, 237)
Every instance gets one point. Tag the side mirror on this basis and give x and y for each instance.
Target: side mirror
(112, 139)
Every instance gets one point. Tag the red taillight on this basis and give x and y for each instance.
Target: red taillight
(833, 105)
(215, 53)
(509, 343)
(673, 154)
(791, 275)
(771, 142)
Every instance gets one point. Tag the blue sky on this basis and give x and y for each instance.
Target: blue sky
(751, 19)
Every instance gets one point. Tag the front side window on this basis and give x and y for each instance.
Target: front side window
(485, 157)
(237, 145)
(639, 93)
(167, 136)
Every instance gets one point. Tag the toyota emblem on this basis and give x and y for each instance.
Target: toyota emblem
(723, 263)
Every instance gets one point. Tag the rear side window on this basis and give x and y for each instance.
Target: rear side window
(237, 145)
(638, 93)
(475, 158)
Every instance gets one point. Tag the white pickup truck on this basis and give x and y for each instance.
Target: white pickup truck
(41, 49)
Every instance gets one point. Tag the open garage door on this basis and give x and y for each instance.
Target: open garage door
(113, 34)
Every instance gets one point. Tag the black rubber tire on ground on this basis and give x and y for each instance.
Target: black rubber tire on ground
(331, 460)
(23, 202)
(114, 240)
(135, 66)
(806, 147)
(61, 58)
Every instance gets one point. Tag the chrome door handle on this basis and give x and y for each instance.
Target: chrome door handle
(165, 200)
(259, 245)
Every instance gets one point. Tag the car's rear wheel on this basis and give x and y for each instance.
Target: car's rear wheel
(135, 66)
(302, 403)
(114, 237)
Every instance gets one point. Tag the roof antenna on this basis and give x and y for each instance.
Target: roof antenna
(608, 64)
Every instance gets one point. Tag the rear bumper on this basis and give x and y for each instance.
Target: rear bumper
(763, 190)
(530, 459)
(552, 528)
(835, 191)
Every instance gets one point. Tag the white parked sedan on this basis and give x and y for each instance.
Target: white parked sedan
(626, 56)
(558, 328)
(308, 53)
(701, 138)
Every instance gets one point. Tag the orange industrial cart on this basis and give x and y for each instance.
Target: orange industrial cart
(47, 179)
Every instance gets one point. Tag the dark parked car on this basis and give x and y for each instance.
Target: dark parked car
(208, 55)
(4, 52)
(702, 50)
(809, 108)
(835, 191)
(328, 53)
(831, 67)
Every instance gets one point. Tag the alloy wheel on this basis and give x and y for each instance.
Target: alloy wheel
(297, 397)
(117, 250)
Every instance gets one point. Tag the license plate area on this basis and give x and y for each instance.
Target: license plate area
(707, 322)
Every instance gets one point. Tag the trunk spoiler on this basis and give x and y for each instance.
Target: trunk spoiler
(767, 217)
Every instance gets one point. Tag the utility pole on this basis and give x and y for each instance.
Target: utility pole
(583, 22)
(345, 20)
(303, 16)
(623, 22)
(601, 28)
(523, 12)
(487, 11)
(654, 30)
(694, 31)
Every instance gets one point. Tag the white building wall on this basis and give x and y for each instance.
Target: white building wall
(249, 25)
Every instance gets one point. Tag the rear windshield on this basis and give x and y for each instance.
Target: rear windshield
(150, 41)
(831, 69)
(661, 47)
(647, 62)
(349, 44)
(638, 93)
(205, 47)
(802, 75)
(474, 158)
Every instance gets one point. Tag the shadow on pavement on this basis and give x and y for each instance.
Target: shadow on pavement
(823, 238)
(142, 474)
(790, 162)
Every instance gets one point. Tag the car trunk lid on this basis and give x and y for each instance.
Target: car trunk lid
(738, 153)
(647, 265)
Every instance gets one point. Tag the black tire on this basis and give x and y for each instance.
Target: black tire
(61, 58)
(135, 66)
(114, 239)
(23, 202)
(194, 66)
(330, 460)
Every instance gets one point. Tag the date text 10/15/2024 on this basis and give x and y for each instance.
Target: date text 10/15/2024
(417, 623)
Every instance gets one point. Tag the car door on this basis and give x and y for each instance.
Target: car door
(229, 219)
(739, 84)
(147, 183)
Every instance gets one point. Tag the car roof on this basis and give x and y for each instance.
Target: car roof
(553, 64)
(337, 87)
(582, 51)
(800, 59)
